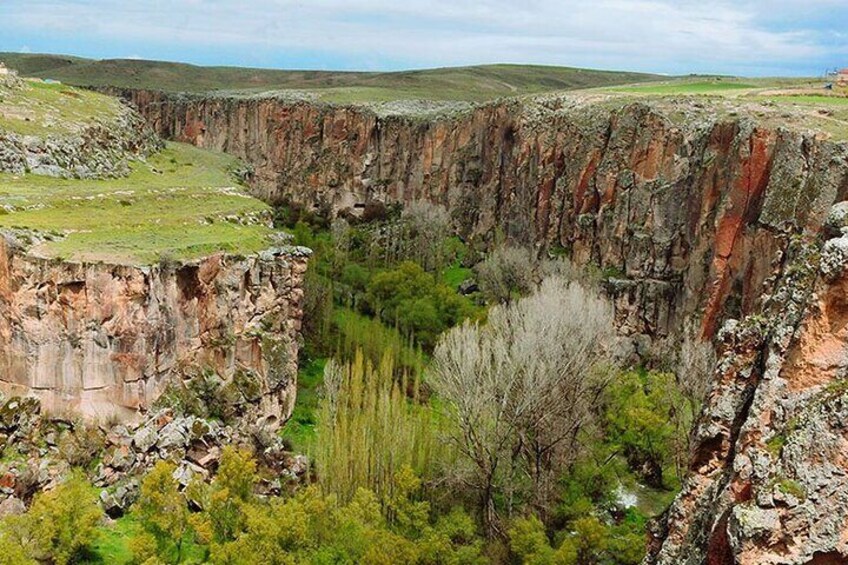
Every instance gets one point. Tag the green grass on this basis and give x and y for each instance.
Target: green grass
(475, 83)
(300, 429)
(113, 542)
(40, 109)
(688, 87)
(180, 205)
(112, 546)
(455, 275)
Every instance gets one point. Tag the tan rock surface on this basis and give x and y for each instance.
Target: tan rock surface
(103, 339)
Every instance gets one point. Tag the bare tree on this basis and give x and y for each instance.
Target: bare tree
(427, 226)
(521, 388)
(419, 235)
(505, 272)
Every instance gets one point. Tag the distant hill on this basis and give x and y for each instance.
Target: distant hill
(476, 83)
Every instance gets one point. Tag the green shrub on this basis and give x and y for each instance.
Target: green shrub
(59, 527)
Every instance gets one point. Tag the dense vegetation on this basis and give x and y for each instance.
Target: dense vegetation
(496, 424)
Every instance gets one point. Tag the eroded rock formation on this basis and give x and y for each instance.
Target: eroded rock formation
(107, 339)
(688, 215)
(704, 215)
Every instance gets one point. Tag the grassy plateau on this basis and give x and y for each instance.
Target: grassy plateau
(40, 108)
(182, 204)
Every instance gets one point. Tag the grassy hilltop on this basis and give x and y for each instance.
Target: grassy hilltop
(180, 203)
(477, 83)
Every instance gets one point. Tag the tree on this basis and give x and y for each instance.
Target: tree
(427, 226)
(368, 429)
(411, 298)
(226, 499)
(520, 389)
(311, 527)
(162, 510)
(506, 272)
(59, 526)
(649, 418)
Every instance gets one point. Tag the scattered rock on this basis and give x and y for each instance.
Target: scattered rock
(11, 506)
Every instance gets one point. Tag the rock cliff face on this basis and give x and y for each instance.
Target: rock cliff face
(106, 339)
(689, 215)
(710, 221)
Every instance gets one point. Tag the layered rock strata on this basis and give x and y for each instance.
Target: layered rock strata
(106, 340)
(686, 214)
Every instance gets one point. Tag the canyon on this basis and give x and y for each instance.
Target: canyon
(105, 303)
(708, 218)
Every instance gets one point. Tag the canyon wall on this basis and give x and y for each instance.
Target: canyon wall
(689, 216)
(106, 340)
(704, 217)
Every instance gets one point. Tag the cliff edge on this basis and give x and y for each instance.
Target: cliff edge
(130, 269)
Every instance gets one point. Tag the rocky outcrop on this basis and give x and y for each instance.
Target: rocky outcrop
(716, 221)
(98, 151)
(9, 77)
(37, 452)
(768, 472)
(98, 147)
(106, 340)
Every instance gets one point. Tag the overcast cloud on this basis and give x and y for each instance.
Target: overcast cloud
(753, 37)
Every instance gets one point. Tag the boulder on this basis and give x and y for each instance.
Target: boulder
(11, 506)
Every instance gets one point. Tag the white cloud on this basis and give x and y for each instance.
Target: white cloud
(644, 34)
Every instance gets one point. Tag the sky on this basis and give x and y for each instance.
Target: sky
(739, 37)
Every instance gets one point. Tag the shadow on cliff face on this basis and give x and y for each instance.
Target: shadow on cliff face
(188, 282)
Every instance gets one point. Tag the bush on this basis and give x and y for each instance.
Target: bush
(587, 541)
(59, 527)
(81, 445)
(12, 552)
